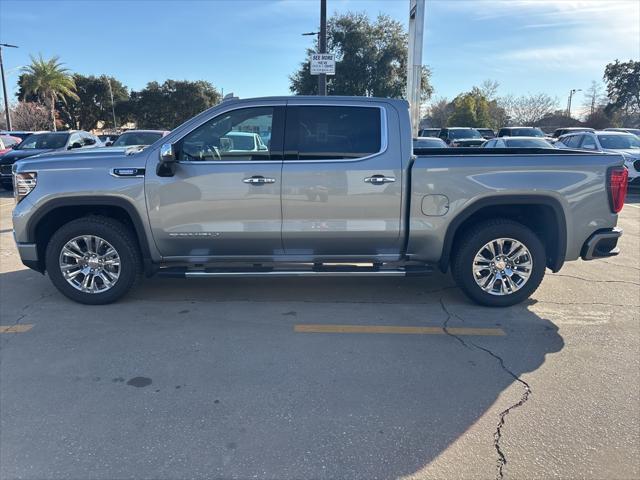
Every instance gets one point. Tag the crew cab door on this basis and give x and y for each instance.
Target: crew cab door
(224, 198)
(341, 180)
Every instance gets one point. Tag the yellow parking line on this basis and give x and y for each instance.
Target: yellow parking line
(319, 328)
(15, 328)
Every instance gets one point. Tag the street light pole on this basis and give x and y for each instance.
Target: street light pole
(571, 92)
(322, 44)
(113, 110)
(4, 86)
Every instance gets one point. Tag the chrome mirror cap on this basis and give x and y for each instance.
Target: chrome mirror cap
(166, 153)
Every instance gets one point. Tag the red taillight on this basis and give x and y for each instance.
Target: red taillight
(617, 188)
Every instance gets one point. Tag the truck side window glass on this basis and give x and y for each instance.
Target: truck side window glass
(329, 133)
(589, 143)
(238, 135)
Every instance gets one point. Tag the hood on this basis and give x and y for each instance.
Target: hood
(15, 155)
(626, 152)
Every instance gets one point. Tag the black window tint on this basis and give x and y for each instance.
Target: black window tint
(320, 133)
(236, 135)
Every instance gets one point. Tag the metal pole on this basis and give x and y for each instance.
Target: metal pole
(113, 109)
(4, 87)
(322, 44)
(414, 61)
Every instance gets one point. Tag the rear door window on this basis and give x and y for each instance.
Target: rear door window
(332, 132)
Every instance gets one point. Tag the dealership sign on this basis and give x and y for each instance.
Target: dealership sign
(323, 63)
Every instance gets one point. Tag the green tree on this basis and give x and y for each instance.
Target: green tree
(623, 88)
(371, 59)
(167, 105)
(471, 109)
(49, 81)
(94, 102)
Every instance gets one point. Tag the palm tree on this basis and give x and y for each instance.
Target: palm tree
(50, 81)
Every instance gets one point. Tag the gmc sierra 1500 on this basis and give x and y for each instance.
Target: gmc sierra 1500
(332, 184)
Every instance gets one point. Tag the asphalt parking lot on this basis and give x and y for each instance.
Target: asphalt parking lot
(323, 378)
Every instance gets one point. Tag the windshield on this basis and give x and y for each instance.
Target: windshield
(619, 142)
(527, 143)
(44, 141)
(136, 138)
(527, 132)
(470, 133)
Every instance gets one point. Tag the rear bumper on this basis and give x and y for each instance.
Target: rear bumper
(602, 244)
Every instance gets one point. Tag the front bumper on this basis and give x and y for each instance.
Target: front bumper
(29, 256)
(602, 244)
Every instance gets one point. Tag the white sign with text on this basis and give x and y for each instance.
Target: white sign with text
(323, 63)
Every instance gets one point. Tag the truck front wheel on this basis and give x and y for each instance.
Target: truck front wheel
(93, 260)
(499, 263)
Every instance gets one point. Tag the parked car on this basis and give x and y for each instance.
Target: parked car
(486, 133)
(139, 137)
(461, 137)
(623, 143)
(558, 132)
(95, 225)
(7, 142)
(517, 142)
(520, 132)
(635, 131)
(428, 132)
(38, 143)
(22, 134)
(428, 142)
(108, 138)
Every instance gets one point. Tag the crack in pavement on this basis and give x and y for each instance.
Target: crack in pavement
(497, 435)
(593, 279)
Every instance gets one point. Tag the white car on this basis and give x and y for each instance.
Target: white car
(517, 142)
(625, 144)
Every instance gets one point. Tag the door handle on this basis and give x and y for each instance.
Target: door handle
(379, 179)
(258, 180)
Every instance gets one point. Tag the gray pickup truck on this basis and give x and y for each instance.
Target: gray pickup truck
(313, 186)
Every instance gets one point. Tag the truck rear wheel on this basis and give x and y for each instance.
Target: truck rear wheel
(93, 260)
(499, 263)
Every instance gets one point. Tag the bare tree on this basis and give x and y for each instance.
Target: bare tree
(489, 88)
(28, 116)
(593, 97)
(528, 109)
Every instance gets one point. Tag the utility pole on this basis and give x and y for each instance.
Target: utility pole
(322, 44)
(113, 109)
(414, 64)
(571, 92)
(4, 86)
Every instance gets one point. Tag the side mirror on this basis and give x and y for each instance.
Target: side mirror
(167, 164)
(108, 144)
(75, 145)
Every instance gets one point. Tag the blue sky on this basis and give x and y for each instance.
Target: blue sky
(250, 47)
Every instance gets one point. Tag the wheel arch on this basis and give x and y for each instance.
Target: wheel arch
(56, 212)
(530, 210)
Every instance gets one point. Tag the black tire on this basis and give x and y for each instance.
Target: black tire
(114, 232)
(478, 236)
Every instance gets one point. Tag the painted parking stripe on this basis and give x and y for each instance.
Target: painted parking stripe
(320, 328)
(15, 328)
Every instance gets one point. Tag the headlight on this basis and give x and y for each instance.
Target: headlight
(23, 184)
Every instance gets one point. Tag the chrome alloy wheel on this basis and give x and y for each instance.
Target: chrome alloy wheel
(90, 264)
(503, 266)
